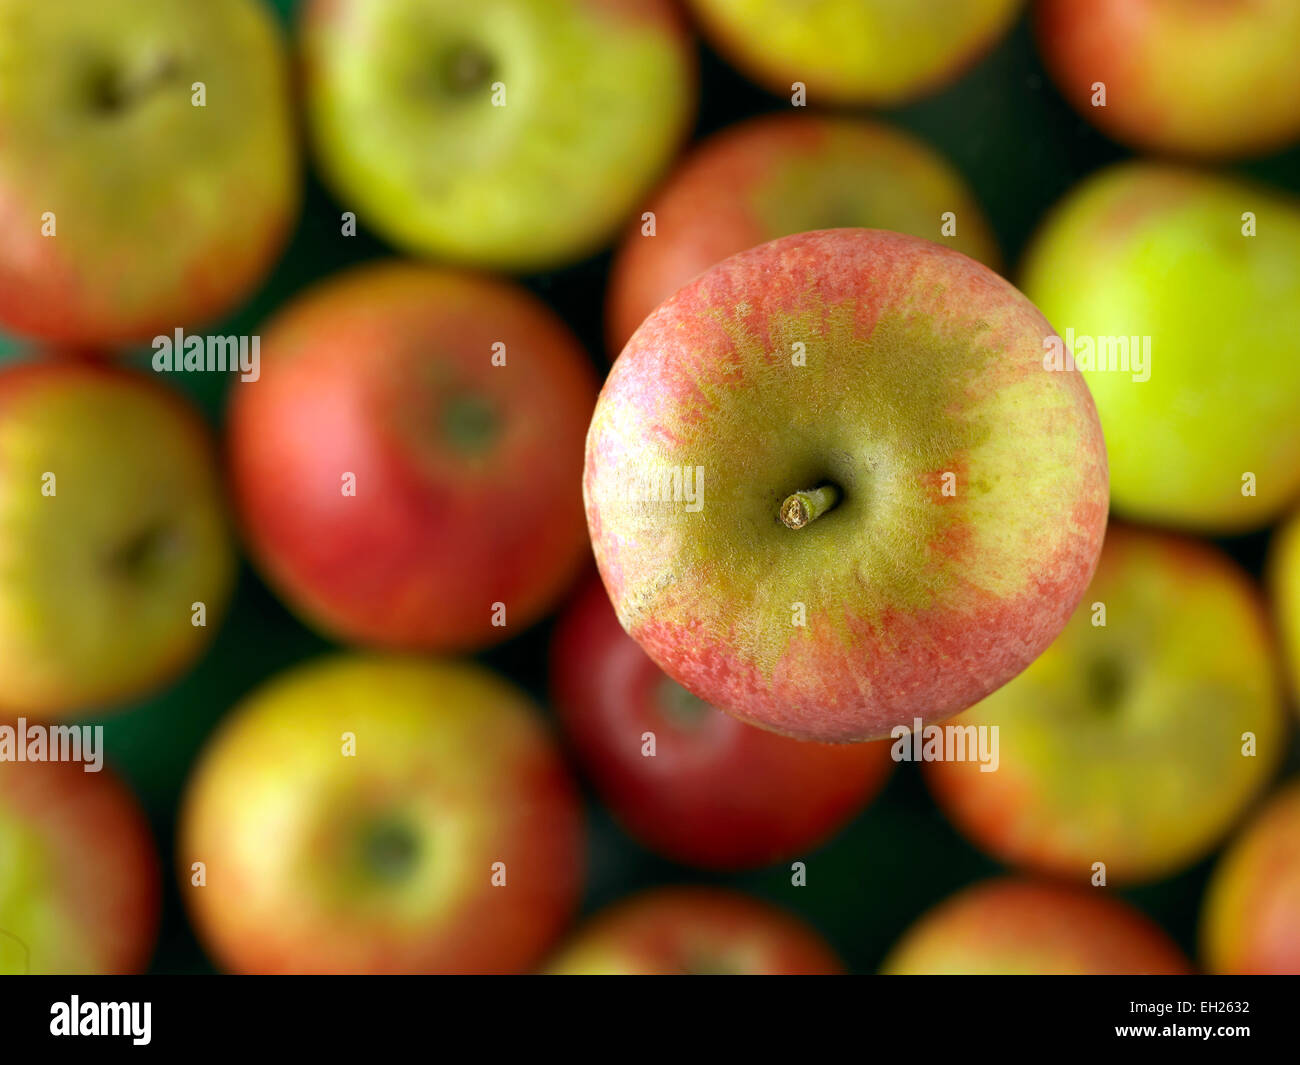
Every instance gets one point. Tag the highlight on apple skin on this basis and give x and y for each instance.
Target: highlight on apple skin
(423, 822)
(695, 931)
(1250, 920)
(1013, 927)
(1203, 272)
(129, 205)
(517, 140)
(875, 52)
(781, 174)
(832, 487)
(424, 496)
(1191, 79)
(118, 558)
(80, 873)
(1142, 734)
(712, 792)
(1283, 574)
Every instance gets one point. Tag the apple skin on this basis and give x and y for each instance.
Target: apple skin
(467, 473)
(780, 174)
(1192, 79)
(382, 862)
(97, 592)
(1251, 917)
(80, 883)
(1122, 743)
(1284, 586)
(399, 103)
(167, 214)
(919, 362)
(854, 51)
(1151, 250)
(1021, 927)
(718, 794)
(688, 931)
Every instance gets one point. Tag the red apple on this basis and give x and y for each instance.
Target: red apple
(79, 875)
(1204, 79)
(455, 406)
(1251, 919)
(1017, 927)
(692, 931)
(716, 793)
(832, 485)
(782, 174)
(381, 815)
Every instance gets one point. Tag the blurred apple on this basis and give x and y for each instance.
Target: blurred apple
(130, 204)
(1126, 742)
(716, 793)
(1251, 919)
(855, 51)
(412, 457)
(782, 174)
(695, 931)
(79, 875)
(832, 489)
(111, 531)
(1205, 436)
(1206, 79)
(1015, 927)
(1284, 584)
(381, 815)
(510, 133)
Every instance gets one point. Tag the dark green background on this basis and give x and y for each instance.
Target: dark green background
(1020, 147)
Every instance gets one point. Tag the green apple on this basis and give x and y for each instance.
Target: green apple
(1251, 917)
(1203, 274)
(695, 931)
(831, 487)
(112, 533)
(1284, 585)
(367, 814)
(511, 133)
(879, 52)
(149, 170)
(1142, 734)
(1018, 927)
(79, 874)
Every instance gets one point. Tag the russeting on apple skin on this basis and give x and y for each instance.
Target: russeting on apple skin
(512, 134)
(80, 882)
(687, 780)
(149, 173)
(695, 931)
(119, 559)
(407, 470)
(374, 814)
(832, 485)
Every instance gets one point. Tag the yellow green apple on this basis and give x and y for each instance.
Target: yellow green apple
(1284, 586)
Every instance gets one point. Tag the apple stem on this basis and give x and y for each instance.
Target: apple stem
(807, 506)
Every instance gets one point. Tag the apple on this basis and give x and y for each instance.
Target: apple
(1026, 928)
(112, 530)
(780, 174)
(1284, 584)
(1202, 79)
(695, 931)
(1149, 256)
(877, 52)
(79, 874)
(712, 792)
(149, 176)
(832, 487)
(1251, 917)
(407, 468)
(381, 814)
(1138, 742)
(517, 134)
